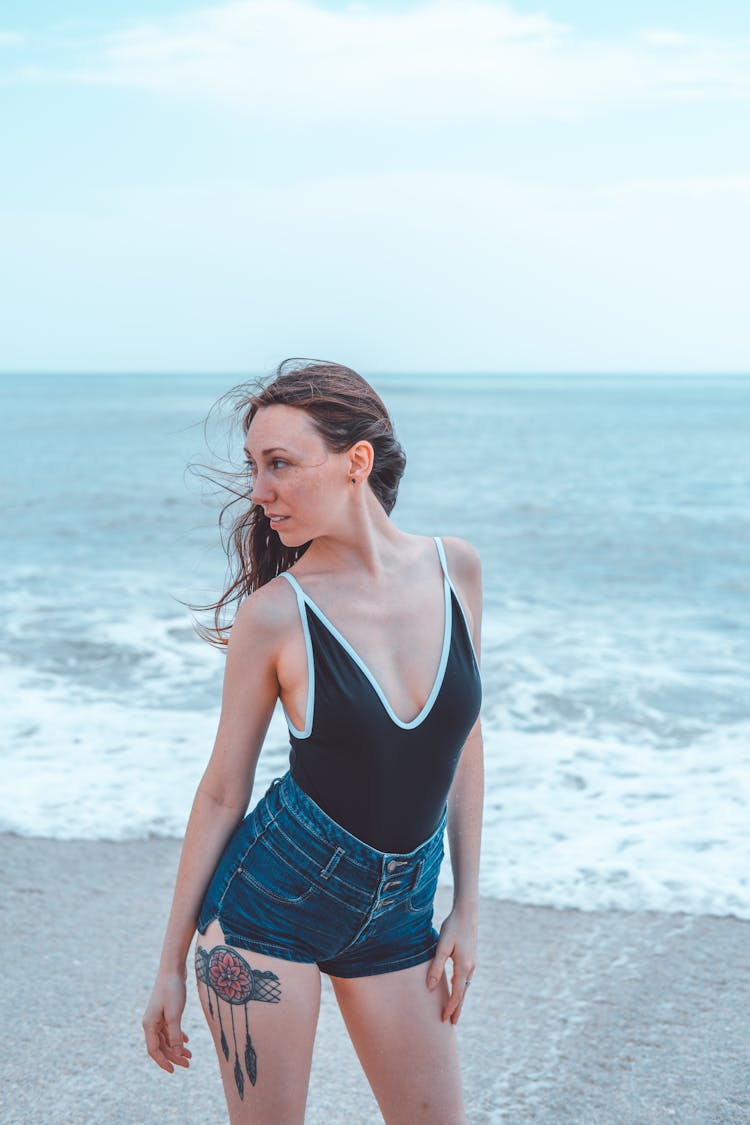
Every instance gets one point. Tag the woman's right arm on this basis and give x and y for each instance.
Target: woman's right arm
(248, 699)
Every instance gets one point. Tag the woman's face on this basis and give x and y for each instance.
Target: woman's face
(296, 479)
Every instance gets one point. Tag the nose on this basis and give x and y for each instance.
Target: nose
(260, 489)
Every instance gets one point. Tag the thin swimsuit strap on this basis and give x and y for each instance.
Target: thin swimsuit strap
(441, 556)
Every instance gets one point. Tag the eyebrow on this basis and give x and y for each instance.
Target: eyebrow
(267, 452)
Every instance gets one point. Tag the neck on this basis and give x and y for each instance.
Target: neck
(365, 542)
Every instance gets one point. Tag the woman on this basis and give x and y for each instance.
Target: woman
(368, 636)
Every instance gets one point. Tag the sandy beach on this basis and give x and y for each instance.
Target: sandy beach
(574, 1017)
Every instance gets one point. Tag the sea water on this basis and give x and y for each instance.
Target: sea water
(611, 514)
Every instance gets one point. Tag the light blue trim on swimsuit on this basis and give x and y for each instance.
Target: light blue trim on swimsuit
(441, 555)
(441, 552)
(310, 663)
(304, 599)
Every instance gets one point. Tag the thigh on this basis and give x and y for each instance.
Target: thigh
(409, 1055)
(262, 1012)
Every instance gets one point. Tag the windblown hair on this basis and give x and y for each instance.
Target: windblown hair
(344, 409)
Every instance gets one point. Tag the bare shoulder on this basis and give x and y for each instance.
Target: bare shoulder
(464, 562)
(265, 617)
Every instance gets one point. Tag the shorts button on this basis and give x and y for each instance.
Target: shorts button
(386, 901)
(391, 866)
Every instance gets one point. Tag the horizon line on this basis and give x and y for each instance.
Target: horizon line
(419, 373)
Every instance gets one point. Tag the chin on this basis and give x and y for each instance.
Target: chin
(291, 538)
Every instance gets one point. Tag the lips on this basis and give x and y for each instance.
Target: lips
(276, 519)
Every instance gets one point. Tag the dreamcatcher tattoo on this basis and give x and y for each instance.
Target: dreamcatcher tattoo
(232, 980)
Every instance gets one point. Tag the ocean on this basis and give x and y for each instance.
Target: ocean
(611, 513)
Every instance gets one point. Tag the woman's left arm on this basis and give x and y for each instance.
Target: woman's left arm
(458, 933)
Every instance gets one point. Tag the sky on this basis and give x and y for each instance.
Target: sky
(436, 186)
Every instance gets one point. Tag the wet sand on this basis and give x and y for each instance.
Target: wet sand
(573, 1019)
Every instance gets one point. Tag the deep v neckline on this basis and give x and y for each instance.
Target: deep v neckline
(424, 711)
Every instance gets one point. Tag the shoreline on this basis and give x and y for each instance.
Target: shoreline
(576, 1017)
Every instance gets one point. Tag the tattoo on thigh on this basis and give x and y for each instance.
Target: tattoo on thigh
(228, 975)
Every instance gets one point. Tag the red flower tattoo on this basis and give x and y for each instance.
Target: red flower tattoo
(229, 976)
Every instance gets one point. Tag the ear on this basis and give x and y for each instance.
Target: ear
(361, 458)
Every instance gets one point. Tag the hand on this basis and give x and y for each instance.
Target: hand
(165, 1039)
(458, 940)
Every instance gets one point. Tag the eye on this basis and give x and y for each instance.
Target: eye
(278, 463)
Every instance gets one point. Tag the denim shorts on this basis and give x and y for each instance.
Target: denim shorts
(293, 884)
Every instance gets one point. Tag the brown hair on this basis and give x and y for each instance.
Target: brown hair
(344, 409)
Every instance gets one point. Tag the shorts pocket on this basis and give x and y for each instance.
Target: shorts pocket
(266, 870)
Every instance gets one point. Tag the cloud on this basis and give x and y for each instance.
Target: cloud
(443, 60)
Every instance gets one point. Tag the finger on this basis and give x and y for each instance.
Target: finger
(436, 970)
(452, 1007)
(179, 1054)
(174, 1034)
(455, 1017)
(458, 991)
(176, 1055)
(182, 1048)
(185, 1051)
(178, 1060)
(174, 1047)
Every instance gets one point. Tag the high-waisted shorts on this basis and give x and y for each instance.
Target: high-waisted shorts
(292, 883)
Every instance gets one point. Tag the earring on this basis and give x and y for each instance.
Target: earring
(354, 480)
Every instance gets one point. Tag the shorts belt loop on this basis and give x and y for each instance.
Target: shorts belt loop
(332, 864)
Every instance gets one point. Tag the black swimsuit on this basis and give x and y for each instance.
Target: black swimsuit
(383, 780)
